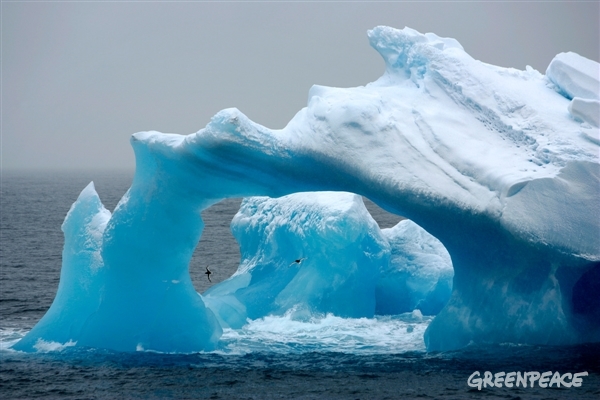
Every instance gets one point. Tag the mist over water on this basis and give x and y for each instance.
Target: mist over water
(289, 356)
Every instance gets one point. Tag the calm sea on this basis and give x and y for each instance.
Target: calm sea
(274, 357)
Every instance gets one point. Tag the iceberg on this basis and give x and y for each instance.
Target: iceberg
(487, 160)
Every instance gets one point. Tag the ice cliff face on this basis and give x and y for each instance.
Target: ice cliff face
(500, 165)
(419, 275)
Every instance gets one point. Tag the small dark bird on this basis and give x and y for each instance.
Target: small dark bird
(298, 261)
(207, 273)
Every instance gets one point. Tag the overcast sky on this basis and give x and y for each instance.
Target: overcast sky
(79, 78)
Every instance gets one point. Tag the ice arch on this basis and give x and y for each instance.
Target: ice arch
(486, 159)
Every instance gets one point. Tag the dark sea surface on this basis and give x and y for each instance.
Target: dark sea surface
(329, 357)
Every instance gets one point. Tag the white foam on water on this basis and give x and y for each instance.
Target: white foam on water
(42, 346)
(287, 334)
(10, 336)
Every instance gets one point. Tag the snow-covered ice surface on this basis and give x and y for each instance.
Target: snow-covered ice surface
(575, 76)
(578, 78)
(488, 160)
(586, 110)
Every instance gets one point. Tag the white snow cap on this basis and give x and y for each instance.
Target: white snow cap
(585, 110)
(575, 75)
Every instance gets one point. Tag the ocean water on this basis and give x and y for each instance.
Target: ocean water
(273, 357)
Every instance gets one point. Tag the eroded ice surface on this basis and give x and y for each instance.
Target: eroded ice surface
(349, 267)
(486, 159)
(142, 304)
(419, 275)
(81, 278)
(340, 247)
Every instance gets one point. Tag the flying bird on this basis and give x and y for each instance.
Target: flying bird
(298, 261)
(207, 273)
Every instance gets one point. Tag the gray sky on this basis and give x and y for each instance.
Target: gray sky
(79, 78)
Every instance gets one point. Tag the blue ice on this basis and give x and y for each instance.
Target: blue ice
(493, 162)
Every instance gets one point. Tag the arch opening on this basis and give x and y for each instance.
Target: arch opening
(217, 247)
(412, 272)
